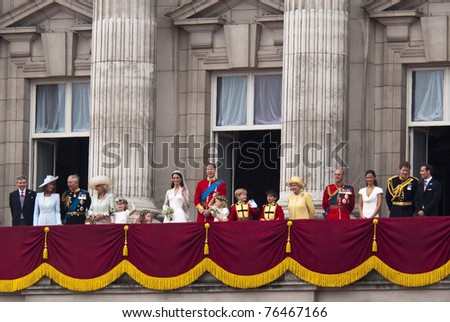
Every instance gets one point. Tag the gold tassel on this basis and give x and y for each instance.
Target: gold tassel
(206, 248)
(125, 246)
(45, 252)
(288, 245)
(374, 243)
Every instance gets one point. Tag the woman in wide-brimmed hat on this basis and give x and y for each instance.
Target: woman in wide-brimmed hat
(46, 207)
(300, 203)
(102, 205)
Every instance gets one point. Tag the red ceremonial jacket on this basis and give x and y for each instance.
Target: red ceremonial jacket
(202, 205)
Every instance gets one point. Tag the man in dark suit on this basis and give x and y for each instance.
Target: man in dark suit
(428, 193)
(21, 203)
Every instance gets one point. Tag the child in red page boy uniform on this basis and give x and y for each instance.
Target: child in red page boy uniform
(272, 210)
(243, 210)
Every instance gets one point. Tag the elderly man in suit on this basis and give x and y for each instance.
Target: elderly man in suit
(428, 193)
(21, 203)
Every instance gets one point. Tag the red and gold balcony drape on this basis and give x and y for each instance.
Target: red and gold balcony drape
(406, 251)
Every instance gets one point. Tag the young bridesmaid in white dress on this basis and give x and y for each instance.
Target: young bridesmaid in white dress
(370, 197)
(178, 199)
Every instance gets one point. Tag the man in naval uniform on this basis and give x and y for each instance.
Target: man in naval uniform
(204, 192)
(338, 198)
(401, 191)
(75, 202)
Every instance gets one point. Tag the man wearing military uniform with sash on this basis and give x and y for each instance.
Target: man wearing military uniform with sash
(75, 202)
(204, 192)
(338, 199)
(401, 191)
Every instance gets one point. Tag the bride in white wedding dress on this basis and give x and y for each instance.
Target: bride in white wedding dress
(178, 199)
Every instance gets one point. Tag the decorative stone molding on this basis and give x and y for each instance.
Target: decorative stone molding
(274, 23)
(379, 5)
(201, 30)
(397, 23)
(20, 40)
(242, 44)
(435, 37)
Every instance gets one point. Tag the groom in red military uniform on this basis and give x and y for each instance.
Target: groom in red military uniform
(205, 191)
(339, 198)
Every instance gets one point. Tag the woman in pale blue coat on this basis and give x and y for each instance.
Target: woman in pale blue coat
(46, 207)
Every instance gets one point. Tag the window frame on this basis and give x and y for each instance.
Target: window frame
(68, 108)
(445, 99)
(249, 126)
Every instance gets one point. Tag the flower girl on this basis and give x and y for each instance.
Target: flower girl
(218, 208)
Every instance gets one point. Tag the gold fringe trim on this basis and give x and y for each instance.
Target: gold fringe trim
(85, 285)
(230, 279)
(125, 246)
(246, 281)
(288, 244)
(331, 280)
(411, 280)
(206, 247)
(45, 251)
(374, 243)
(9, 286)
(166, 283)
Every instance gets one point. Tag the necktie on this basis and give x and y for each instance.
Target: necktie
(424, 185)
(22, 198)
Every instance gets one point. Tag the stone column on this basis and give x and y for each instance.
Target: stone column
(123, 96)
(314, 126)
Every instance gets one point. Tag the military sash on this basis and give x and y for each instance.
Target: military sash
(210, 189)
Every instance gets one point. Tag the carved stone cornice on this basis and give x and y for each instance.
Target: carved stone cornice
(379, 5)
(397, 22)
(201, 30)
(20, 39)
(274, 23)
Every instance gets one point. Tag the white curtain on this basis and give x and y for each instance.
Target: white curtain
(267, 99)
(81, 97)
(50, 104)
(428, 95)
(231, 100)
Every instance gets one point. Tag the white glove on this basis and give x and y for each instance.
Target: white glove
(252, 203)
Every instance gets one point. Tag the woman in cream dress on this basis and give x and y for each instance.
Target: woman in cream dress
(102, 204)
(46, 207)
(178, 199)
(300, 203)
(370, 197)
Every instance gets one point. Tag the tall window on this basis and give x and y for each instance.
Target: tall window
(245, 102)
(429, 90)
(61, 109)
(427, 95)
(59, 125)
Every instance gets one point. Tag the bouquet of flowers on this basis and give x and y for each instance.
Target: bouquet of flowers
(168, 212)
(214, 211)
(111, 211)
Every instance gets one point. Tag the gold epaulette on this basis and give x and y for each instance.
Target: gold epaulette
(393, 177)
